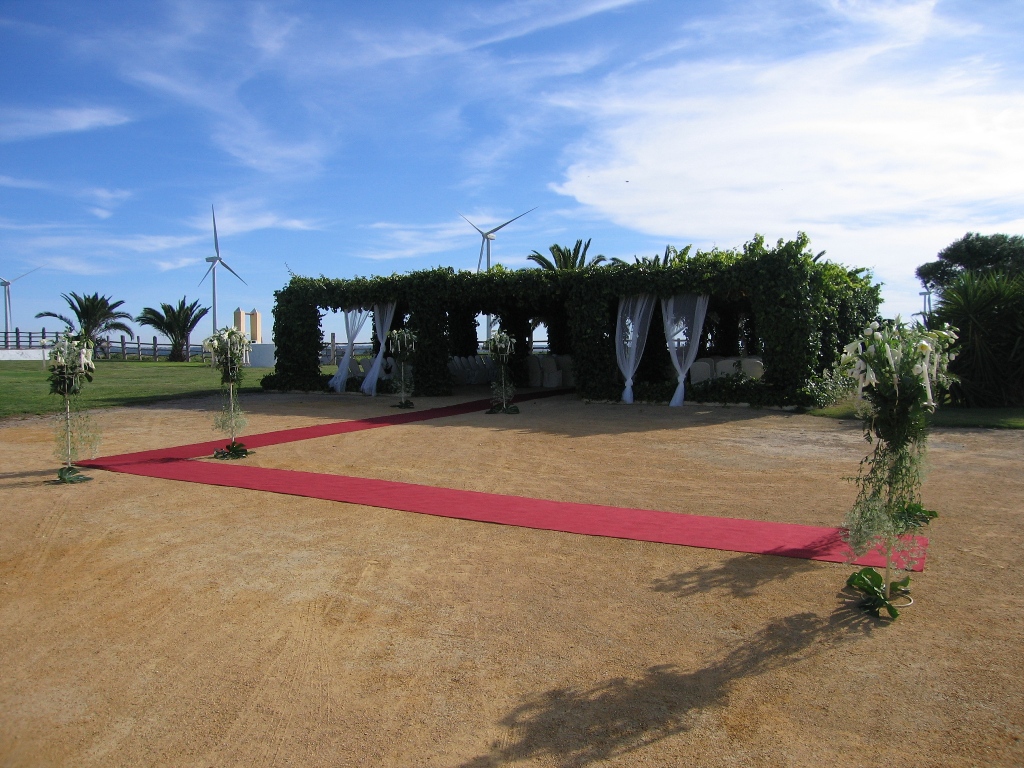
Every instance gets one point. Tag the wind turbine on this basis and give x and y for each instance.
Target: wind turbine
(487, 237)
(7, 300)
(214, 261)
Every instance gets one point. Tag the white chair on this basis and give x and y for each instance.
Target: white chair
(469, 369)
(534, 374)
(456, 371)
(479, 369)
(701, 370)
(565, 366)
(727, 366)
(353, 367)
(549, 368)
(753, 367)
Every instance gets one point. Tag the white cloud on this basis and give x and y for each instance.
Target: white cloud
(881, 162)
(406, 241)
(235, 217)
(12, 183)
(184, 261)
(75, 265)
(18, 124)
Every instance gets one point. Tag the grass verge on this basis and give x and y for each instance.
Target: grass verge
(25, 390)
(990, 418)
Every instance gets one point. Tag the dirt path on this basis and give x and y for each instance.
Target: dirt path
(149, 622)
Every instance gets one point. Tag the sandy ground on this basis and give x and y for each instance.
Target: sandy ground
(151, 622)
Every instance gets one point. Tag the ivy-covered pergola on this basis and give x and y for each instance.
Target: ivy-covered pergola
(781, 302)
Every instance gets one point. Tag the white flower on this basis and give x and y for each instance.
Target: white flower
(923, 346)
(878, 336)
(874, 325)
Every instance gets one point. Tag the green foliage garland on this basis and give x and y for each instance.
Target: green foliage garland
(801, 311)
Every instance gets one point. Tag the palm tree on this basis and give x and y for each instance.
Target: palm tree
(564, 258)
(176, 323)
(96, 316)
(672, 257)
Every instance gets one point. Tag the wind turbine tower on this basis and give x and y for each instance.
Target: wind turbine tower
(6, 284)
(485, 244)
(214, 261)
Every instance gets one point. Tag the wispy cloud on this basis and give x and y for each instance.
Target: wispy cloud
(841, 144)
(12, 183)
(408, 241)
(16, 124)
(235, 217)
(170, 264)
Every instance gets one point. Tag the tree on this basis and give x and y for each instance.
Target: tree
(988, 308)
(564, 258)
(176, 323)
(670, 258)
(974, 253)
(96, 316)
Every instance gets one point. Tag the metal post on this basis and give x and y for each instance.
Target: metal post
(154, 349)
(17, 338)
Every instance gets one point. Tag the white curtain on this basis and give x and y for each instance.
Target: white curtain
(383, 314)
(354, 321)
(684, 321)
(631, 335)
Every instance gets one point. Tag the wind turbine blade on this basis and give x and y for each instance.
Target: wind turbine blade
(474, 226)
(216, 244)
(481, 259)
(229, 269)
(25, 275)
(212, 265)
(491, 232)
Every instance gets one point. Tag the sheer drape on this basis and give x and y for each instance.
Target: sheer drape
(684, 321)
(354, 321)
(383, 314)
(631, 335)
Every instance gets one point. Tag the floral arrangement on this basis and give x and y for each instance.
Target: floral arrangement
(70, 366)
(501, 346)
(229, 349)
(403, 345)
(898, 369)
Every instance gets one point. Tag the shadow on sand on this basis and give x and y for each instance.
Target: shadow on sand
(739, 576)
(577, 727)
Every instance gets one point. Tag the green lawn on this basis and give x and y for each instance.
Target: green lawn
(24, 389)
(993, 418)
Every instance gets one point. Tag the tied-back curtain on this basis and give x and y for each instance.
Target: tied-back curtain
(631, 335)
(383, 314)
(684, 321)
(354, 321)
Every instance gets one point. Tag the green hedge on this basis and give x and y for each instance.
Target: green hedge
(800, 312)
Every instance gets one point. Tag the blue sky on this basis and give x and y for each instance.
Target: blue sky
(344, 138)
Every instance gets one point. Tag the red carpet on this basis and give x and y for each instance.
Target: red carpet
(735, 535)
